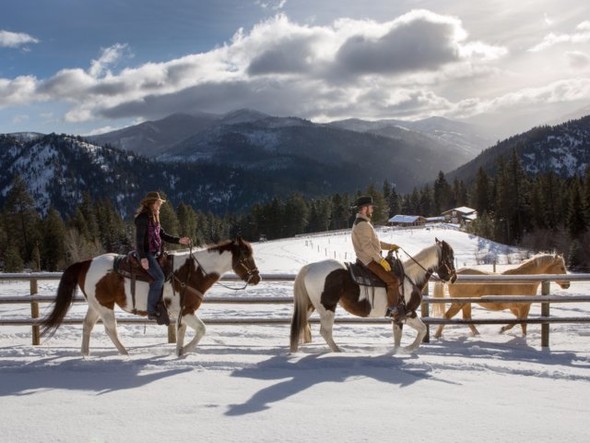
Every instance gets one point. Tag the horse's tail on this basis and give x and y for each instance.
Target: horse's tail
(301, 307)
(438, 309)
(64, 298)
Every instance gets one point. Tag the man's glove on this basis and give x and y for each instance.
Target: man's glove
(385, 264)
(393, 248)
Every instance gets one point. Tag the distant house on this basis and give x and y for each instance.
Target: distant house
(406, 220)
(460, 215)
(439, 219)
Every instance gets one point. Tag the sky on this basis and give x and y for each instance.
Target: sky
(86, 67)
(243, 385)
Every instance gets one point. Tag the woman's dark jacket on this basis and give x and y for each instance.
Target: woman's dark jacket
(141, 235)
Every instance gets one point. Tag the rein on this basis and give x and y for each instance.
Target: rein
(428, 272)
(247, 282)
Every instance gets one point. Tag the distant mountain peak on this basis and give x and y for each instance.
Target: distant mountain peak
(243, 115)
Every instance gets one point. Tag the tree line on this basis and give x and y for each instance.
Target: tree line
(539, 212)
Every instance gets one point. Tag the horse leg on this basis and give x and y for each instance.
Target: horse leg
(89, 322)
(327, 323)
(110, 327)
(397, 335)
(524, 313)
(197, 324)
(521, 312)
(467, 316)
(451, 312)
(421, 329)
(180, 334)
(307, 329)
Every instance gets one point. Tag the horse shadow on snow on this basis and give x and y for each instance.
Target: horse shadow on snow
(299, 374)
(98, 375)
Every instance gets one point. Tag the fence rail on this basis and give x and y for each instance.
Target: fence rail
(34, 299)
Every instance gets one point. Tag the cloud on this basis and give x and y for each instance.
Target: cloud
(274, 5)
(580, 35)
(108, 57)
(578, 59)
(417, 41)
(15, 39)
(364, 68)
(567, 90)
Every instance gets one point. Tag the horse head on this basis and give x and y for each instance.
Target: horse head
(446, 263)
(557, 266)
(243, 263)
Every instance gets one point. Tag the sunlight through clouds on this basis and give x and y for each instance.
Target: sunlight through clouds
(318, 63)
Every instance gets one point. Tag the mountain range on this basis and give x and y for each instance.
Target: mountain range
(227, 163)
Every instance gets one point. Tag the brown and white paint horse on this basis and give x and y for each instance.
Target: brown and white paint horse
(323, 285)
(193, 273)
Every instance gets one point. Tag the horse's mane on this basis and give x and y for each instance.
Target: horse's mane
(534, 262)
(422, 259)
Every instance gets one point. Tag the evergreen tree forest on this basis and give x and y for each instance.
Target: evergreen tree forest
(540, 212)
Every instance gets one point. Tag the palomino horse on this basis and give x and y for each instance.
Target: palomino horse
(193, 273)
(322, 285)
(539, 264)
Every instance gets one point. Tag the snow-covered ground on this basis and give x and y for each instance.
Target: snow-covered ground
(242, 384)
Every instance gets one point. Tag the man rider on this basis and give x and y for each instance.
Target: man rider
(368, 247)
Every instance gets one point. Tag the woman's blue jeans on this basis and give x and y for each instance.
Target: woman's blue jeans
(157, 285)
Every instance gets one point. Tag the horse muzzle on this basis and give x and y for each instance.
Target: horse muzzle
(254, 278)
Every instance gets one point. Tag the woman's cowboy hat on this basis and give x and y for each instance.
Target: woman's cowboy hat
(152, 197)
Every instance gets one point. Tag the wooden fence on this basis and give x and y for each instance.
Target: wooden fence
(546, 299)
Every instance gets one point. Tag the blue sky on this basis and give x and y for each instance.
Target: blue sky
(88, 66)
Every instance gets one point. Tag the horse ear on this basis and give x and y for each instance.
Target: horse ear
(238, 239)
(437, 240)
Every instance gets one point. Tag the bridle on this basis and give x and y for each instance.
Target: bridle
(242, 262)
(450, 272)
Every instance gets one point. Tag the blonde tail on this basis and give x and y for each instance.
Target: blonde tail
(438, 309)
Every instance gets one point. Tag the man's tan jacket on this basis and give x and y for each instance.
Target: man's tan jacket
(367, 245)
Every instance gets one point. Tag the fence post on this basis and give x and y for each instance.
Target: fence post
(34, 311)
(424, 309)
(545, 313)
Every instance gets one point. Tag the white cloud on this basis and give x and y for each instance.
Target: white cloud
(15, 39)
(578, 59)
(108, 57)
(580, 35)
(414, 66)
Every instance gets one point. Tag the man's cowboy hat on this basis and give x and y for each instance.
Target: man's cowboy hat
(363, 201)
(152, 197)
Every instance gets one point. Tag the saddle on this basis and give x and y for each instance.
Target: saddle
(129, 266)
(363, 276)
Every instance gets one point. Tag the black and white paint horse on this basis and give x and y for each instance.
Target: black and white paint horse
(323, 285)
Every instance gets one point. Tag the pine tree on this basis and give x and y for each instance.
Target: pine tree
(53, 255)
(187, 221)
(481, 194)
(13, 262)
(340, 212)
(443, 195)
(296, 215)
(576, 223)
(20, 214)
(395, 203)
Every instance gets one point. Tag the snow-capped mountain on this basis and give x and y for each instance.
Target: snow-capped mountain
(563, 149)
(187, 137)
(253, 158)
